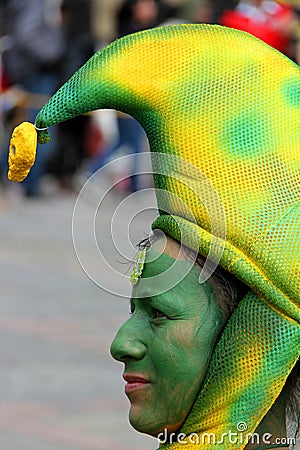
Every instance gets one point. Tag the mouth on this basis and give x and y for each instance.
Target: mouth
(134, 382)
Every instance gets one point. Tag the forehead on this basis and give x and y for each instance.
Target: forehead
(165, 255)
(168, 246)
(166, 266)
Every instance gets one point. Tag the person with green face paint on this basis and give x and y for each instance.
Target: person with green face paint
(221, 111)
(167, 343)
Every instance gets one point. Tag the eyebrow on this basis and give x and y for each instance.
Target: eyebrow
(149, 298)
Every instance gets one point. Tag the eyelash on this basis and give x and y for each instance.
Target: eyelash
(156, 313)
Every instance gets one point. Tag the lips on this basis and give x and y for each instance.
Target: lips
(134, 382)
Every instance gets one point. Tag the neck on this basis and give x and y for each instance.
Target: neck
(271, 432)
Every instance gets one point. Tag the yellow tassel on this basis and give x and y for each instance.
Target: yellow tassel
(22, 151)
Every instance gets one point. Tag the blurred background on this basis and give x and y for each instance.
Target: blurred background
(43, 42)
(59, 388)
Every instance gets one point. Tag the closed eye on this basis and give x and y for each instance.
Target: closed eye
(158, 314)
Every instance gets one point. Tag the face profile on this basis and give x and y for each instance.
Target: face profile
(166, 344)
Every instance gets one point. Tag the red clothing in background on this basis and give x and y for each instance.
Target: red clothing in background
(266, 21)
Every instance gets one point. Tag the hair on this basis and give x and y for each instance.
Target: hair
(292, 389)
(229, 291)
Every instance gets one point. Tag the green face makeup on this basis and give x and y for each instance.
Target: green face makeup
(166, 345)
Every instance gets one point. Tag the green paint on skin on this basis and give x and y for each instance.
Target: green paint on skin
(168, 340)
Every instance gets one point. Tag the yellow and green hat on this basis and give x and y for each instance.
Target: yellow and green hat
(219, 103)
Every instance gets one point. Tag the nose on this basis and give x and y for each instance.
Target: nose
(128, 343)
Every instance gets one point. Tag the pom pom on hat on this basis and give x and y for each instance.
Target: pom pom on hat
(22, 151)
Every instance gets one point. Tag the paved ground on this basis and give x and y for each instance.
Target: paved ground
(59, 388)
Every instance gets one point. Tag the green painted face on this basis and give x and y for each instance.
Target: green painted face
(166, 345)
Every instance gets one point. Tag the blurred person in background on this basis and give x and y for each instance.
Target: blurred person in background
(272, 22)
(79, 46)
(196, 11)
(31, 60)
(132, 16)
(138, 15)
(219, 6)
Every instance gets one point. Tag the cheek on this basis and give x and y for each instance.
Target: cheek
(179, 353)
(179, 372)
(185, 352)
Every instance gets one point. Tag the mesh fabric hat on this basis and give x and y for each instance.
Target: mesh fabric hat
(228, 107)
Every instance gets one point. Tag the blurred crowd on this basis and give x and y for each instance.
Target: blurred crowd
(43, 42)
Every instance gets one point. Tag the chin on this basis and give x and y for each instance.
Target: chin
(140, 420)
(141, 424)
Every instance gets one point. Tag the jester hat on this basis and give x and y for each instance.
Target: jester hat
(219, 103)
